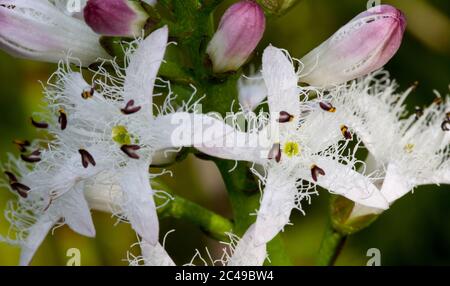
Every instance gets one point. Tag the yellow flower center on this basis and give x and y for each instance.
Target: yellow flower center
(409, 148)
(120, 135)
(291, 149)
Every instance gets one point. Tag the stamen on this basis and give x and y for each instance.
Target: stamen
(33, 157)
(316, 171)
(130, 108)
(447, 116)
(445, 125)
(285, 117)
(62, 119)
(327, 106)
(12, 178)
(42, 125)
(437, 100)
(86, 94)
(346, 133)
(22, 144)
(86, 158)
(21, 189)
(130, 150)
(291, 149)
(275, 152)
(419, 112)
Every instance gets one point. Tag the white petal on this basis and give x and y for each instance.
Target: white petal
(139, 206)
(343, 180)
(395, 185)
(75, 211)
(281, 81)
(277, 203)
(143, 68)
(155, 255)
(36, 236)
(208, 134)
(247, 253)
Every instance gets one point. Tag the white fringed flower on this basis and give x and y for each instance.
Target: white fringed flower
(109, 131)
(406, 151)
(308, 146)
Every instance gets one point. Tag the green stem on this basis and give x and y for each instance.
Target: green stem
(211, 223)
(331, 246)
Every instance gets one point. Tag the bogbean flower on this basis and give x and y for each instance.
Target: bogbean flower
(308, 148)
(362, 46)
(116, 17)
(103, 129)
(406, 151)
(39, 30)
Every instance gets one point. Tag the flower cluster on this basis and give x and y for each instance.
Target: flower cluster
(104, 133)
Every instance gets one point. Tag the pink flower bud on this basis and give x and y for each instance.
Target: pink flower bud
(362, 46)
(240, 30)
(124, 18)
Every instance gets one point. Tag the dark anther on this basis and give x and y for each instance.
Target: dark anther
(86, 158)
(21, 189)
(62, 119)
(437, 100)
(42, 125)
(346, 133)
(130, 108)
(285, 117)
(12, 178)
(22, 144)
(445, 125)
(327, 106)
(32, 158)
(447, 116)
(419, 112)
(86, 94)
(275, 152)
(130, 150)
(316, 171)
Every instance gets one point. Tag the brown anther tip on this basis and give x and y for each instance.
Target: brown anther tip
(86, 158)
(275, 152)
(346, 132)
(419, 112)
(22, 144)
(12, 178)
(437, 100)
(62, 119)
(447, 116)
(41, 125)
(21, 189)
(327, 106)
(316, 171)
(86, 94)
(34, 157)
(445, 126)
(285, 117)
(130, 150)
(130, 108)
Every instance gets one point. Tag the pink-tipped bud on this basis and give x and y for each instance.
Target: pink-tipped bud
(124, 18)
(362, 46)
(240, 30)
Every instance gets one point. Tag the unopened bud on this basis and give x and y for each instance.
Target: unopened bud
(240, 30)
(124, 18)
(362, 46)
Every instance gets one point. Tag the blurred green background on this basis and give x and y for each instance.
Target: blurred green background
(415, 231)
